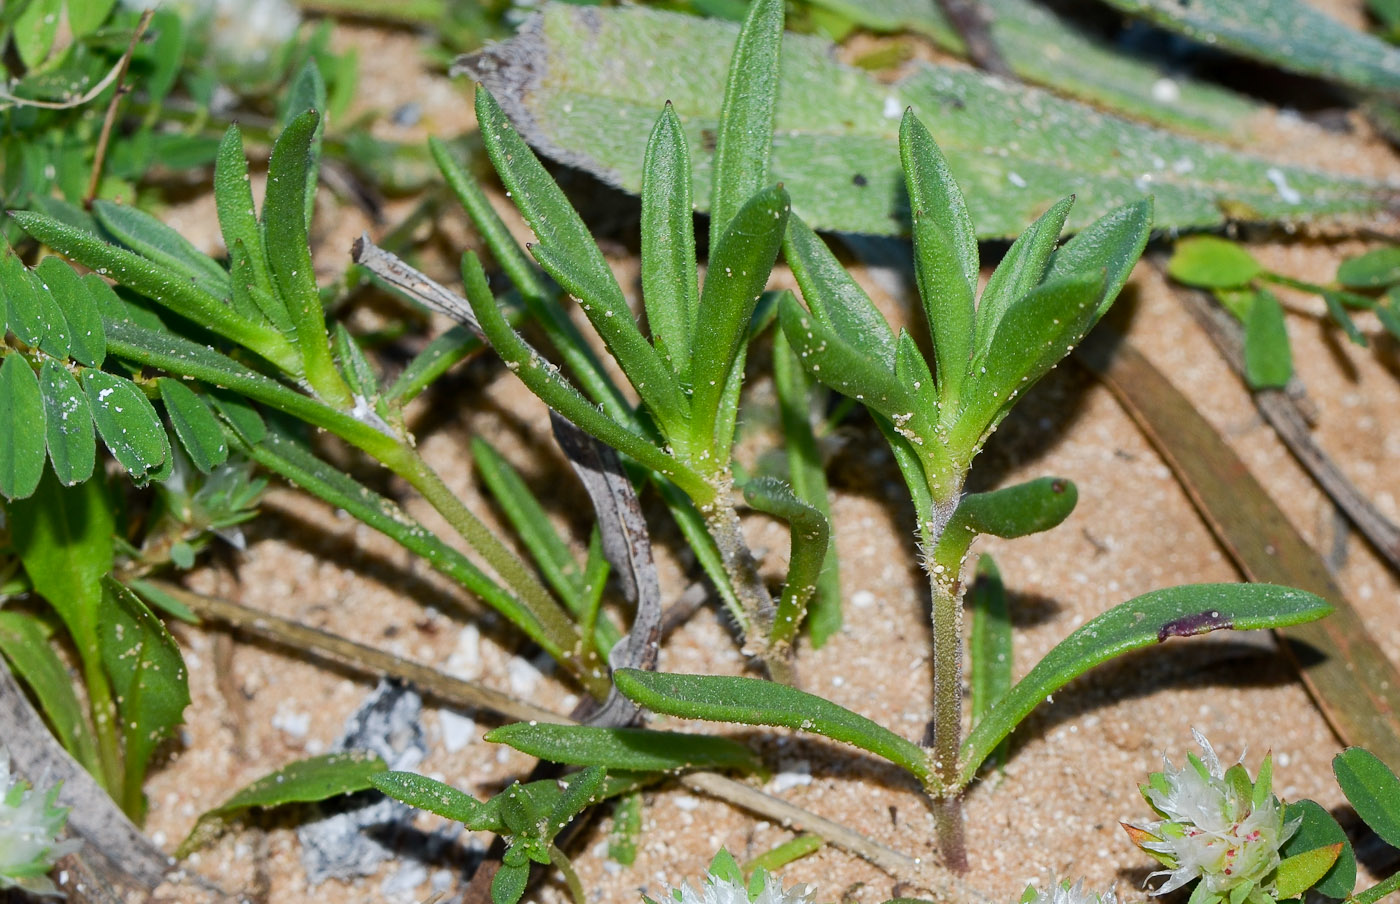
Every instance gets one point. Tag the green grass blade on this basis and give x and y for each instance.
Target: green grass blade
(669, 288)
(744, 140)
(989, 648)
(740, 265)
(1183, 611)
(750, 701)
(945, 253)
(635, 749)
(455, 344)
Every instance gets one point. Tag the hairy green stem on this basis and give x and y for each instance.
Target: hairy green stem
(571, 879)
(952, 840)
(1379, 890)
(758, 610)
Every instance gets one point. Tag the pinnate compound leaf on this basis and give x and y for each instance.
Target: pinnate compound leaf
(1289, 34)
(21, 451)
(67, 424)
(127, 423)
(305, 781)
(26, 644)
(195, 424)
(1376, 268)
(1268, 360)
(1320, 830)
(1183, 611)
(635, 749)
(148, 677)
(87, 342)
(26, 312)
(836, 131)
(1373, 790)
(435, 797)
(750, 701)
(1208, 262)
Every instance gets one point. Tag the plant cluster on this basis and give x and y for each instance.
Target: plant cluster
(195, 371)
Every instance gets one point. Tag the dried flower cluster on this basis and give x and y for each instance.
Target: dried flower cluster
(29, 828)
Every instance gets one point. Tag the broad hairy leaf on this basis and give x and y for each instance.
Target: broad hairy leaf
(21, 451)
(67, 424)
(26, 644)
(636, 749)
(148, 679)
(1319, 830)
(1289, 34)
(305, 781)
(1014, 150)
(1372, 789)
(750, 701)
(1152, 618)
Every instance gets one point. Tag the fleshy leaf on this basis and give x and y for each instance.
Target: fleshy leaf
(435, 797)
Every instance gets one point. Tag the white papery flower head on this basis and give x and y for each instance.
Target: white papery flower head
(29, 828)
(243, 34)
(724, 885)
(1064, 893)
(1218, 826)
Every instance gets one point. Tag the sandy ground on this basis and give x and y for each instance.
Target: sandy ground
(1053, 811)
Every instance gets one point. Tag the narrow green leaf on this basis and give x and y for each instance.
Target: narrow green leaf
(1289, 34)
(1268, 359)
(359, 373)
(810, 534)
(313, 779)
(834, 297)
(127, 422)
(84, 16)
(1183, 611)
(1032, 337)
(740, 265)
(744, 139)
(1110, 245)
(634, 749)
(568, 252)
(160, 284)
(911, 370)
(1020, 271)
(1372, 789)
(626, 829)
(1208, 262)
(241, 416)
(64, 538)
(156, 598)
(455, 344)
(148, 678)
(248, 298)
(195, 424)
(945, 253)
(26, 644)
(1338, 312)
(238, 219)
(87, 342)
(581, 792)
(807, 476)
(508, 885)
(308, 93)
(21, 451)
(1018, 510)
(750, 701)
(669, 288)
(826, 355)
(556, 392)
(157, 242)
(435, 797)
(67, 424)
(1318, 830)
(990, 646)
